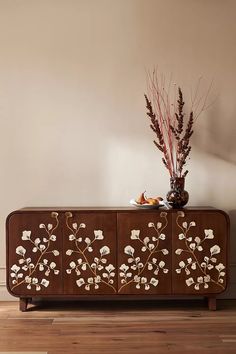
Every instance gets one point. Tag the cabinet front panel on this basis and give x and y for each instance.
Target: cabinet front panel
(199, 252)
(34, 247)
(89, 253)
(144, 253)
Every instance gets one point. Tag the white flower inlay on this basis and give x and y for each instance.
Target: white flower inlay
(26, 235)
(209, 234)
(104, 251)
(20, 250)
(80, 282)
(154, 281)
(30, 267)
(149, 245)
(189, 281)
(98, 235)
(93, 280)
(135, 234)
(129, 250)
(193, 246)
(215, 250)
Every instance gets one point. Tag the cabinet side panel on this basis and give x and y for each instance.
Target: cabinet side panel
(34, 247)
(200, 252)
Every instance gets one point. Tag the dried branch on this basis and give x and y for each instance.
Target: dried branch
(168, 123)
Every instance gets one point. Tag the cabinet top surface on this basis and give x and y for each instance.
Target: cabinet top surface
(114, 209)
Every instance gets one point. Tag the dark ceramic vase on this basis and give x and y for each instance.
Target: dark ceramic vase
(177, 197)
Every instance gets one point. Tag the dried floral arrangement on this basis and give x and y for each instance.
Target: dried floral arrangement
(172, 126)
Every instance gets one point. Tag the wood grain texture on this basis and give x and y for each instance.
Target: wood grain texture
(141, 223)
(93, 221)
(214, 222)
(23, 353)
(119, 327)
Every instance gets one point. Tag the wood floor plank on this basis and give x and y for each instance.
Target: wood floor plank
(141, 328)
(23, 353)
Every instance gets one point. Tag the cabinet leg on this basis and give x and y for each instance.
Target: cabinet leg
(212, 303)
(23, 303)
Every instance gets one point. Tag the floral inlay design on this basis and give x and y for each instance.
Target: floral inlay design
(193, 247)
(100, 271)
(24, 271)
(132, 272)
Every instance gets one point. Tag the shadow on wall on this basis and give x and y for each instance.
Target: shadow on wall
(218, 137)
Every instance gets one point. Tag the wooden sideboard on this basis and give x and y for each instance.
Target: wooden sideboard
(115, 253)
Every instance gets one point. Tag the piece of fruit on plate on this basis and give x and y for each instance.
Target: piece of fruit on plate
(141, 200)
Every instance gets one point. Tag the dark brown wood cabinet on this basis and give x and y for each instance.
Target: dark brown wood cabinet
(116, 253)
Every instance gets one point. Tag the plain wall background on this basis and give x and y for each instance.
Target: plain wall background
(72, 113)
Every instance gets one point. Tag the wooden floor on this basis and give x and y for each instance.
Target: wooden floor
(121, 327)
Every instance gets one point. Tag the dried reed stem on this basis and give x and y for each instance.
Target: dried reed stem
(169, 123)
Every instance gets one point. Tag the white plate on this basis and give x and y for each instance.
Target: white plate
(146, 206)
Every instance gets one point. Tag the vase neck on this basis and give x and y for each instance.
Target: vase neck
(177, 182)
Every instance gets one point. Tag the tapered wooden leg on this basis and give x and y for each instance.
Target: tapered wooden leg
(212, 303)
(23, 303)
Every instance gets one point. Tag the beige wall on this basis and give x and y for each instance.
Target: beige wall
(73, 126)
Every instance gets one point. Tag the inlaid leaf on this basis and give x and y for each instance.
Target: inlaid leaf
(72, 265)
(87, 240)
(215, 250)
(185, 225)
(20, 250)
(181, 236)
(45, 282)
(80, 282)
(98, 235)
(75, 225)
(135, 234)
(129, 250)
(189, 281)
(104, 251)
(162, 237)
(209, 233)
(26, 235)
(154, 281)
(53, 238)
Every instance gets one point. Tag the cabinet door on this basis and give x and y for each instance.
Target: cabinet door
(144, 253)
(34, 246)
(199, 252)
(90, 253)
